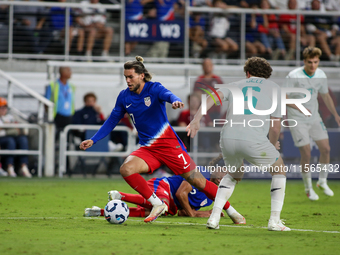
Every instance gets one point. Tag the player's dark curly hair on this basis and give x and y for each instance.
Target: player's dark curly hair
(258, 67)
(139, 67)
(311, 52)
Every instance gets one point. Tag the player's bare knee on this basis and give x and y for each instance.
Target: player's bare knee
(126, 170)
(325, 150)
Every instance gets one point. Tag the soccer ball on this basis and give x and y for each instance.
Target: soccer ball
(116, 212)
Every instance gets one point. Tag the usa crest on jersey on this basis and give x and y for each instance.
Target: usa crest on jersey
(147, 101)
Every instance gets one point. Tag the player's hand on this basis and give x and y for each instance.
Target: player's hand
(192, 128)
(277, 145)
(337, 119)
(86, 144)
(177, 104)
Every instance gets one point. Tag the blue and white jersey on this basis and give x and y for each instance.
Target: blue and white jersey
(147, 112)
(197, 199)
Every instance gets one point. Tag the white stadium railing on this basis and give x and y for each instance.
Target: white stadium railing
(64, 152)
(38, 152)
(49, 126)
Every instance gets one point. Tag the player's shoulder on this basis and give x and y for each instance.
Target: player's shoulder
(320, 73)
(296, 72)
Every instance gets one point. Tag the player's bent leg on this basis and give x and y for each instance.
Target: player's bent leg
(131, 169)
(133, 165)
(277, 193)
(224, 192)
(324, 160)
(305, 172)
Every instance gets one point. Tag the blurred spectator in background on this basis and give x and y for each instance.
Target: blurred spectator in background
(220, 26)
(196, 34)
(165, 12)
(268, 28)
(91, 113)
(93, 20)
(325, 30)
(254, 47)
(62, 94)
(250, 3)
(30, 33)
(134, 11)
(11, 139)
(208, 78)
(279, 4)
(288, 26)
(332, 5)
(57, 22)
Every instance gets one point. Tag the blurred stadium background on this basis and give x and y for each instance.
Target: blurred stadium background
(37, 37)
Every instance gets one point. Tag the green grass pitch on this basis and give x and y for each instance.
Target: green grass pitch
(44, 216)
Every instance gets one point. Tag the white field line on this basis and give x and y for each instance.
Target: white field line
(160, 222)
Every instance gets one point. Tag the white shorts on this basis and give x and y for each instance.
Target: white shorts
(259, 154)
(316, 130)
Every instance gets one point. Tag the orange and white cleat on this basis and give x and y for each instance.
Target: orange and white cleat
(156, 211)
(237, 218)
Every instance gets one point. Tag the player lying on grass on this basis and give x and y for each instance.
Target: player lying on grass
(145, 102)
(176, 193)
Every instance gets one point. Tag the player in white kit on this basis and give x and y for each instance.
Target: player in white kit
(314, 79)
(245, 137)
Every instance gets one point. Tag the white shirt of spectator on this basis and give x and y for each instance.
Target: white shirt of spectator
(219, 27)
(92, 15)
(6, 119)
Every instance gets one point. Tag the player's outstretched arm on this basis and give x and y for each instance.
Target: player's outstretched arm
(182, 196)
(194, 125)
(86, 144)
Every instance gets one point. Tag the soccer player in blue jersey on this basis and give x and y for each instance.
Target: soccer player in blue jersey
(178, 194)
(144, 101)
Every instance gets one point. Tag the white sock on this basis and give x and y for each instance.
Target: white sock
(307, 180)
(323, 173)
(154, 200)
(230, 210)
(277, 192)
(224, 192)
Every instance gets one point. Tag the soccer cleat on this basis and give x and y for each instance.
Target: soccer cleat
(3, 172)
(312, 195)
(156, 211)
(237, 218)
(92, 212)
(324, 187)
(213, 222)
(25, 172)
(114, 195)
(277, 226)
(11, 172)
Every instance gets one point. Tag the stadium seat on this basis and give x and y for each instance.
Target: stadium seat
(100, 146)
